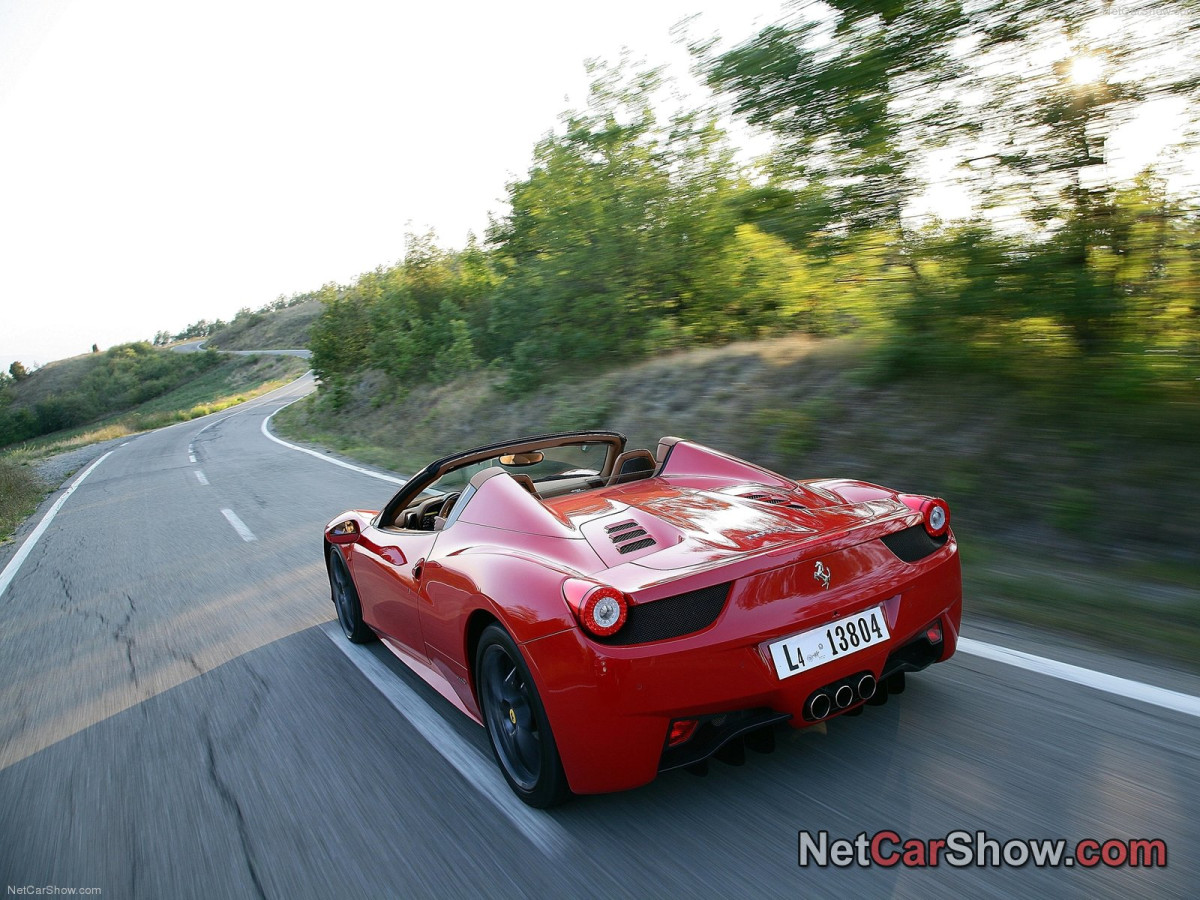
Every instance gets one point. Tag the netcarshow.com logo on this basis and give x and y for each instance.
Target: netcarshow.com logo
(965, 848)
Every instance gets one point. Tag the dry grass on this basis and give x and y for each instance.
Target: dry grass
(284, 329)
(20, 493)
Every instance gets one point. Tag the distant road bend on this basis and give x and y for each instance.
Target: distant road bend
(197, 345)
(175, 721)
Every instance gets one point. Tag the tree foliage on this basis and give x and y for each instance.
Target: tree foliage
(636, 230)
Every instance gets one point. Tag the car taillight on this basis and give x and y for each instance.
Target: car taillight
(937, 516)
(601, 609)
(935, 513)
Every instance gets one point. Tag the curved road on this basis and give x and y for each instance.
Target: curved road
(176, 721)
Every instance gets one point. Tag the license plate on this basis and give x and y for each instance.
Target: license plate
(833, 640)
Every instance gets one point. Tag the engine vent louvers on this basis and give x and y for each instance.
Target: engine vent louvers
(629, 536)
(671, 617)
(636, 545)
(774, 500)
(619, 527)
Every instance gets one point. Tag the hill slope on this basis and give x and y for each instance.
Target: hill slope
(1046, 498)
(283, 329)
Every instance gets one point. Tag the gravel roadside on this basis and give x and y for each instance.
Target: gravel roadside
(55, 470)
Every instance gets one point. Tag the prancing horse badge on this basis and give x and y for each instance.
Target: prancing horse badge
(822, 573)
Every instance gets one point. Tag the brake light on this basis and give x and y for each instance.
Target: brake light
(601, 609)
(937, 516)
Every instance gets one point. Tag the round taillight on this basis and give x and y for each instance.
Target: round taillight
(603, 611)
(937, 516)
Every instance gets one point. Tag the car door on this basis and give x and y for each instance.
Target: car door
(387, 568)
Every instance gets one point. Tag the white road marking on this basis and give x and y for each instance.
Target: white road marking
(14, 564)
(550, 837)
(322, 456)
(238, 525)
(191, 457)
(200, 477)
(1101, 681)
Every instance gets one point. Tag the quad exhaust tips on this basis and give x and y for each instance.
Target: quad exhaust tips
(866, 687)
(841, 695)
(819, 705)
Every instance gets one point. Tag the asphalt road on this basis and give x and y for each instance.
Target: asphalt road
(176, 721)
(198, 345)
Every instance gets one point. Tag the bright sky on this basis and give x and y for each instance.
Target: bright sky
(163, 162)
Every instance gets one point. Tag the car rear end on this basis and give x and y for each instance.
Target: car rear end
(735, 642)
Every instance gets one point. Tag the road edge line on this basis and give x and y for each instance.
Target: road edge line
(1101, 681)
(321, 456)
(14, 564)
(482, 774)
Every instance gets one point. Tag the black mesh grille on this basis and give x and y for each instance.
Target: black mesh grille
(913, 543)
(615, 530)
(671, 617)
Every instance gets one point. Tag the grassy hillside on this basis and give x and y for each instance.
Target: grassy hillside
(284, 329)
(1065, 514)
(233, 380)
(88, 388)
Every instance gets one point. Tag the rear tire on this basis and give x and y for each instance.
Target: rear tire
(345, 600)
(516, 722)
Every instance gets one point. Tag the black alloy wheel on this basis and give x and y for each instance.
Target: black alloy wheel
(345, 600)
(516, 721)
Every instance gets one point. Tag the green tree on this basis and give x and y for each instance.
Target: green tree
(1025, 94)
(852, 97)
(606, 238)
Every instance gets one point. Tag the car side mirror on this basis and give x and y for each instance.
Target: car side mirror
(345, 532)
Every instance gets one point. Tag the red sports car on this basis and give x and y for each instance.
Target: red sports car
(609, 614)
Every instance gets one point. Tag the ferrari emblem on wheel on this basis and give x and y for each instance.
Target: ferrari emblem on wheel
(822, 574)
(512, 716)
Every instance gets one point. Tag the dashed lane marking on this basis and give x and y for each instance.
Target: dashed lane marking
(238, 525)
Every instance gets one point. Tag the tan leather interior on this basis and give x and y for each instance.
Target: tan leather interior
(524, 481)
(632, 465)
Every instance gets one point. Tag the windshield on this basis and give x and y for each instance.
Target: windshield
(566, 461)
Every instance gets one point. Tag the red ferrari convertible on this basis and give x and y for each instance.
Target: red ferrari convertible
(609, 614)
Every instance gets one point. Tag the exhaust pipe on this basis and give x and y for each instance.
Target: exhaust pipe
(818, 705)
(866, 687)
(843, 696)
